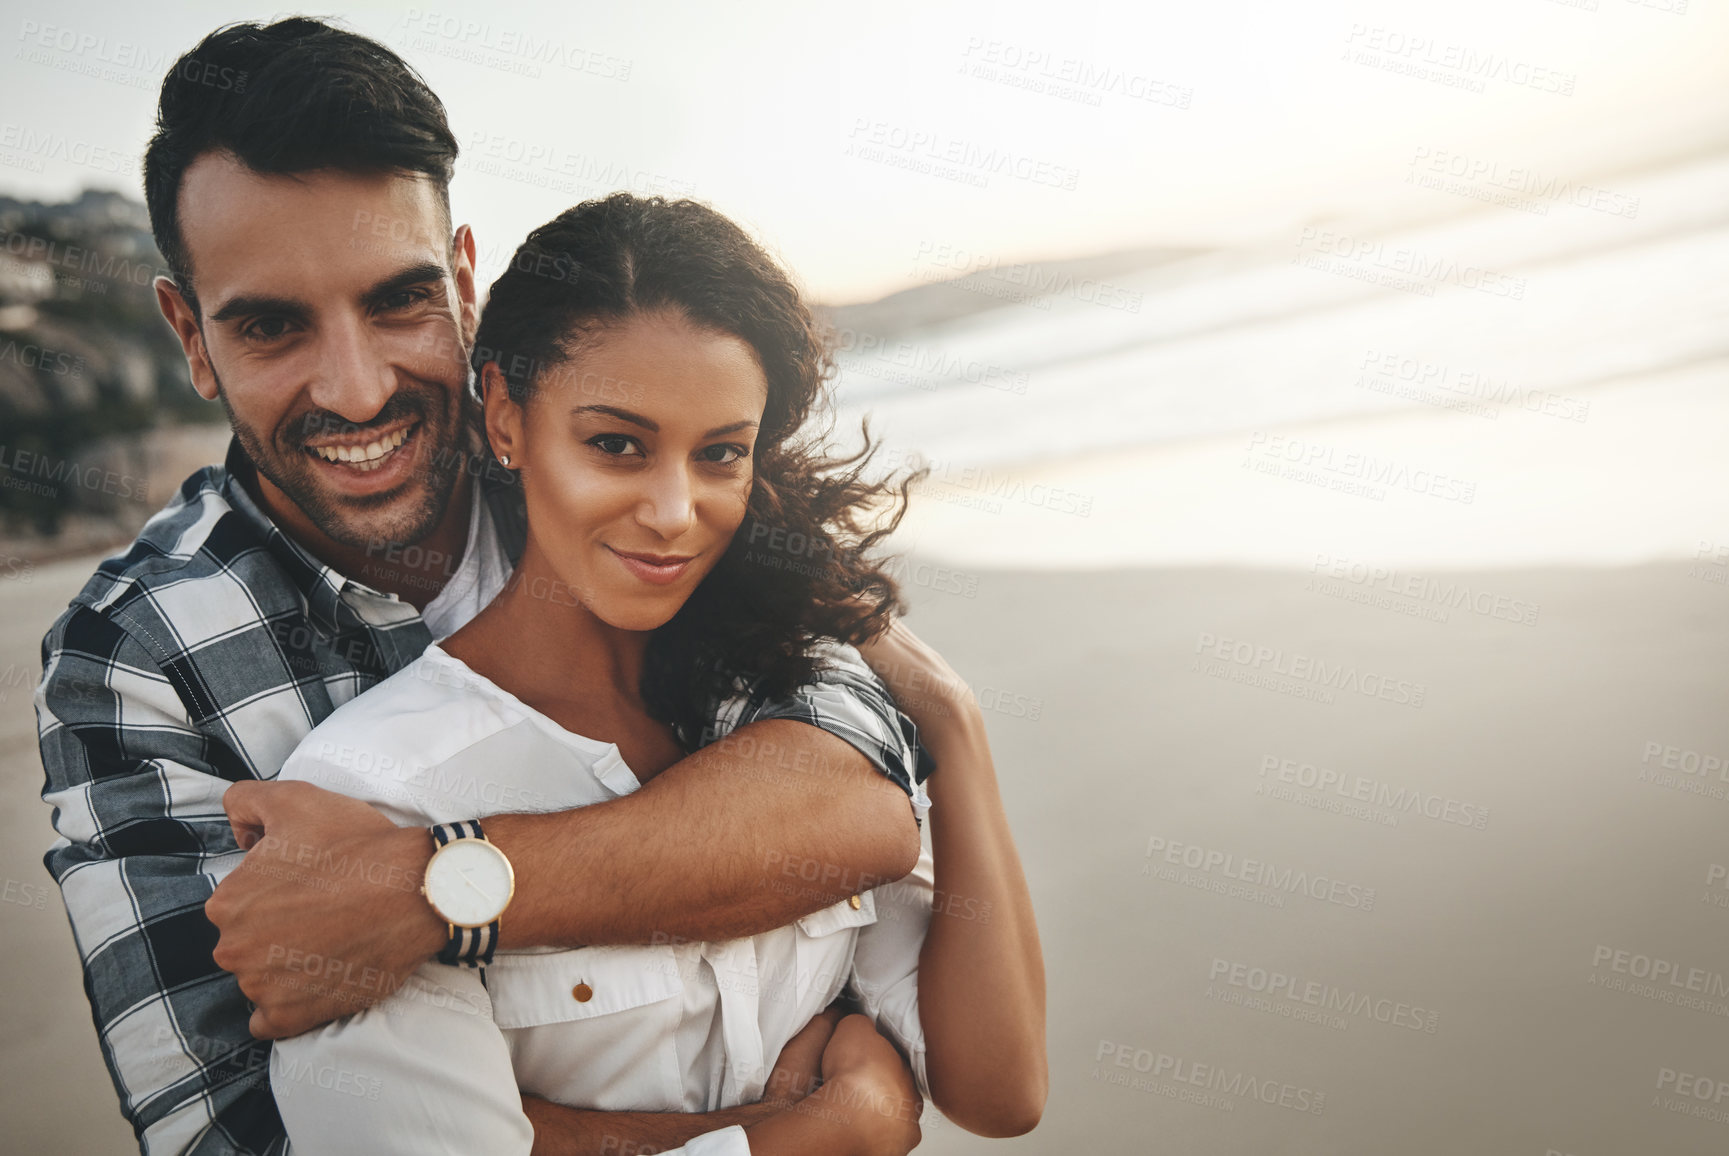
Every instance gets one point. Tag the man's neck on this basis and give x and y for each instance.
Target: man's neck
(413, 571)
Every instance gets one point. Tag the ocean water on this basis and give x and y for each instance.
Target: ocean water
(1567, 355)
(1511, 301)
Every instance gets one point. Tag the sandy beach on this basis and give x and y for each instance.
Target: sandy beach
(1262, 887)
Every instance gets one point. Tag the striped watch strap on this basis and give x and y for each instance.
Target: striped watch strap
(467, 946)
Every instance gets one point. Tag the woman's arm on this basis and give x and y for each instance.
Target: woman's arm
(981, 982)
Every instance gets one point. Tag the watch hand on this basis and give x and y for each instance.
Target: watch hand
(473, 884)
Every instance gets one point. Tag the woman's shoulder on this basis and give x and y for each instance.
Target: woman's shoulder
(423, 713)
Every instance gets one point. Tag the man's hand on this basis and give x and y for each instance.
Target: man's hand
(324, 916)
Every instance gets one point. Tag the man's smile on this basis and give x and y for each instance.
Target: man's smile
(364, 455)
(367, 460)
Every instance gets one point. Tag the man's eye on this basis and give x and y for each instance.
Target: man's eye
(614, 444)
(724, 454)
(266, 329)
(404, 298)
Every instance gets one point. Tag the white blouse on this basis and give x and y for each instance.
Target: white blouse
(672, 1026)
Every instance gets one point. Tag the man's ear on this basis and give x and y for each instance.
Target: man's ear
(503, 416)
(184, 321)
(463, 245)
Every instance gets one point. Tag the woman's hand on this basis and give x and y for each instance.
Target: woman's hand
(868, 1104)
(798, 1069)
(924, 685)
(865, 1077)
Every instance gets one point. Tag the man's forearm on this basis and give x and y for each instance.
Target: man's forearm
(562, 1131)
(738, 838)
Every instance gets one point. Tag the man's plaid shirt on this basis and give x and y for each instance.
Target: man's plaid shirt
(201, 656)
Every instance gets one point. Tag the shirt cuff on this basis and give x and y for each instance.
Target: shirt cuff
(728, 1141)
(921, 804)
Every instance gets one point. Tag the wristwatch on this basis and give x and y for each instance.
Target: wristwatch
(469, 883)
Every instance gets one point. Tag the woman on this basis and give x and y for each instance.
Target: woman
(649, 371)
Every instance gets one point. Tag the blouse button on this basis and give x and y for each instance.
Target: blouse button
(582, 993)
(855, 903)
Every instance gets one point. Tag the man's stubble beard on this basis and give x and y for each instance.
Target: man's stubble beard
(437, 472)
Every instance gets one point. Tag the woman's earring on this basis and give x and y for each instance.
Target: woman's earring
(504, 460)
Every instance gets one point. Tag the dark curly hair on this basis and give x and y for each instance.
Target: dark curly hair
(800, 566)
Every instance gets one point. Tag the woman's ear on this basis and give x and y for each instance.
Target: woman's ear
(503, 416)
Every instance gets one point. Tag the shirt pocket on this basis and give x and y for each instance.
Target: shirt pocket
(531, 989)
(825, 948)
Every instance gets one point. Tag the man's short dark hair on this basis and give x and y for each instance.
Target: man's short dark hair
(295, 96)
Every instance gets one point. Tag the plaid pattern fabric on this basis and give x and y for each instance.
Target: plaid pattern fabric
(853, 704)
(199, 657)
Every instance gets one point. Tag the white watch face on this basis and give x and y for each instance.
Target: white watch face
(469, 882)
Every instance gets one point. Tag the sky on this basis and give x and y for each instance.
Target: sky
(856, 141)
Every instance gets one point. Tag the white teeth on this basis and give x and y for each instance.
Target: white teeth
(365, 457)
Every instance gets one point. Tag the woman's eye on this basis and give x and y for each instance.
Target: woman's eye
(614, 444)
(724, 454)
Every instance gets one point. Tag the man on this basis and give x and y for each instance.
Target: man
(322, 296)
